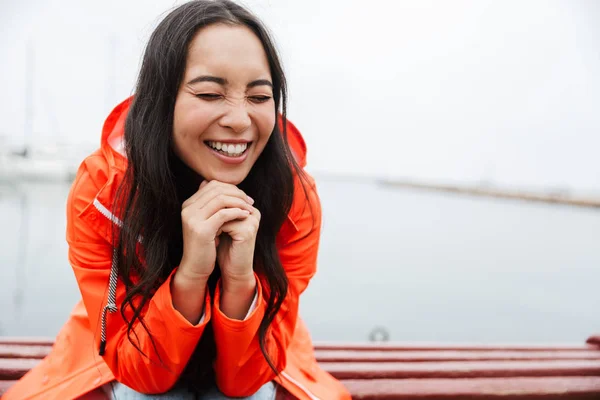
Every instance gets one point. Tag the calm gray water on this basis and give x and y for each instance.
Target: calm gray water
(424, 266)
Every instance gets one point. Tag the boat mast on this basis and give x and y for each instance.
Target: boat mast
(29, 71)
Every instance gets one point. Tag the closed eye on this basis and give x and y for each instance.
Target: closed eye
(209, 96)
(260, 99)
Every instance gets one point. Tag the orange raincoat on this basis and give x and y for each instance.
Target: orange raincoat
(74, 366)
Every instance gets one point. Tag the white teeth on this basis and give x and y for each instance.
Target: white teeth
(229, 149)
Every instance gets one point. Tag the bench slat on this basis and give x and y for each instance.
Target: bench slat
(41, 341)
(15, 368)
(452, 369)
(449, 355)
(23, 351)
(594, 340)
(408, 346)
(476, 389)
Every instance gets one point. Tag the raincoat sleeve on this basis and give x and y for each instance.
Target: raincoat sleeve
(241, 369)
(90, 255)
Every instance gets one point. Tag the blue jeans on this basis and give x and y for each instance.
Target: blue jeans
(122, 392)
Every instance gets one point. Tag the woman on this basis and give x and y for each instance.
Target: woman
(193, 230)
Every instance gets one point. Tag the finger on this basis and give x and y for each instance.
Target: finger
(241, 230)
(253, 221)
(232, 226)
(213, 189)
(219, 202)
(228, 188)
(216, 191)
(201, 190)
(255, 213)
(198, 193)
(221, 217)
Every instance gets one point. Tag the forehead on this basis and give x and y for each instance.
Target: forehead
(229, 51)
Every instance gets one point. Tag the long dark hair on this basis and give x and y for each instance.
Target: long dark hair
(157, 182)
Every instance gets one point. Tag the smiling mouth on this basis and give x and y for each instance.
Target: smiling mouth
(229, 149)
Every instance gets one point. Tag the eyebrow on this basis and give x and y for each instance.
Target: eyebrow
(259, 82)
(223, 81)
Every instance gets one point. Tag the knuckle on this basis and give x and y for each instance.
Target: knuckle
(185, 214)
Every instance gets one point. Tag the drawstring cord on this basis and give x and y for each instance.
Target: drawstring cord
(111, 305)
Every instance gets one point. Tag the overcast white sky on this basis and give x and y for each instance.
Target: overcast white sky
(506, 90)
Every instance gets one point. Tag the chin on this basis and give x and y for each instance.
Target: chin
(233, 178)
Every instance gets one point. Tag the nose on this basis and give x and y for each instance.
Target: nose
(236, 117)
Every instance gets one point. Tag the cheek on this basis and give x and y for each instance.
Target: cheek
(190, 119)
(265, 121)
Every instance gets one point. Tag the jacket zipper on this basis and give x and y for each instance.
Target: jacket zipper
(299, 385)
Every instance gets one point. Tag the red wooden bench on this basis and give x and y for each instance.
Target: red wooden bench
(406, 371)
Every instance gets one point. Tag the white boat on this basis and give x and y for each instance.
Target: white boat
(50, 163)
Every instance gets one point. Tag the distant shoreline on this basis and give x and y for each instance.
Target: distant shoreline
(558, 196)
(561, 198)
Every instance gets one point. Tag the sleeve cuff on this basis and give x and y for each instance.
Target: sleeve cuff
(252, 306)
(164, 301)
(203, 316)
(253, 317)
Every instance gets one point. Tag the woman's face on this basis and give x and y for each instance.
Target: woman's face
(224, 111)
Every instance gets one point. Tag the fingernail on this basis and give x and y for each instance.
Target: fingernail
(250, 200)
